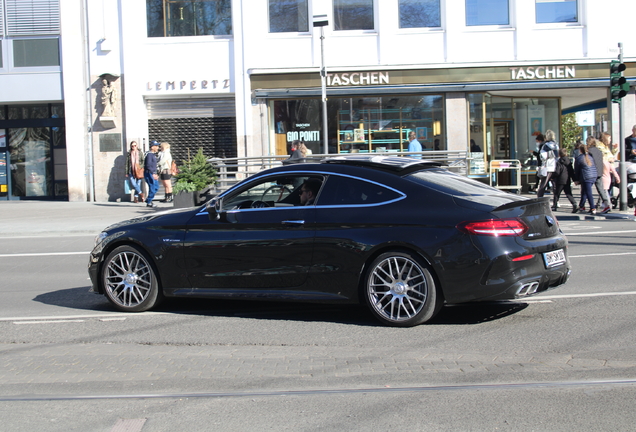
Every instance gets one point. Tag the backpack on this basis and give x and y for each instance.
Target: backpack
(559, 168)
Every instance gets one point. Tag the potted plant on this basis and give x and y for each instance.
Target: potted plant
(195, 176)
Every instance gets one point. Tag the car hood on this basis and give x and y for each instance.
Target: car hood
(176, 216)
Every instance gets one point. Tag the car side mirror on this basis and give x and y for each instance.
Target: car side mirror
(213, 208)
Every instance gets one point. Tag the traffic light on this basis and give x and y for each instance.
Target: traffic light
(619, 87)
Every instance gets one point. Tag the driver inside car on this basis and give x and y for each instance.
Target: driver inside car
(309, 191)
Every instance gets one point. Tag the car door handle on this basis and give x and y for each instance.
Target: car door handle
(293, 222)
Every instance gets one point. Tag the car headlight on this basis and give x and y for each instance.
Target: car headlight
(101, 236)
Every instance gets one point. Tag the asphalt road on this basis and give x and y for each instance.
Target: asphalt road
(562, 361)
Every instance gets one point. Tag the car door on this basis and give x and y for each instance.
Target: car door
(261, 240)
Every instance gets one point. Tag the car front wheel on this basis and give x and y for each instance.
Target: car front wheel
(129, 280)
(400, 290)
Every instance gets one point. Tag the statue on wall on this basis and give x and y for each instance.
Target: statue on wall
(109, 98)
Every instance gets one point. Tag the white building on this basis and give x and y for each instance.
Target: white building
(241, 78)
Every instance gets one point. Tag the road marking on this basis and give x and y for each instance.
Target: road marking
(48, 322)
(601, 255)
(77, 317)
(278, 393)
(598, 233)
(42, 254)
(571, 296)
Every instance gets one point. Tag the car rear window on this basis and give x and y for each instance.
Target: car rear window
(342, 190)
(453, 184)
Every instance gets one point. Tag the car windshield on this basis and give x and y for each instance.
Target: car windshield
(453, 184)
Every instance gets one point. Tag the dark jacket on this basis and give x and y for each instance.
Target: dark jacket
(584, 172)
(564, 172)
(150, 163)
(598, 160)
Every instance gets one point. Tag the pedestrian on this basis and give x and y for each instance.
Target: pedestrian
(135, 170)
(165, 171)
(150, 173)
(585, 174)
(630, 146)
(549, 155)
(593, 149)
(562, 178)
(414, 145)
(295, 155)
(539, 140)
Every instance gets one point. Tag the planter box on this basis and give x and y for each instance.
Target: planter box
(185, 199)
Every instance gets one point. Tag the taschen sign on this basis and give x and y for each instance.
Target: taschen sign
(542, 72)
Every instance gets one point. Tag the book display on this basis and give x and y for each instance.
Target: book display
(382, 130)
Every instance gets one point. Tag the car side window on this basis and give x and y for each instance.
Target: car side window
(276, 191)
(342, 190)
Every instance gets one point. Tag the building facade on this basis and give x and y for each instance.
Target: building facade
(80, 80)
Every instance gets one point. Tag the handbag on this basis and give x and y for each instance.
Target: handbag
(139, 172)
(542, 171)
(174, 169)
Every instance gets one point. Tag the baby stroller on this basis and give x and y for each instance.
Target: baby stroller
(631, 186)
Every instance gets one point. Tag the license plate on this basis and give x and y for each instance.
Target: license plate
(554, 258)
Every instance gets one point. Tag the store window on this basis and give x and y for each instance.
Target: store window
(36, 52)
(353, 15)
(487, 12)
(171, 18)
(379, 124)
(556, 11)
(37, 159)
(288, 16)
(419, 13)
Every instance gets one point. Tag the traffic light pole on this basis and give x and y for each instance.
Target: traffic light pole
(622, 167)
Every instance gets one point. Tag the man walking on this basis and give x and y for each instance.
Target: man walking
(150, 173)
(414, 145)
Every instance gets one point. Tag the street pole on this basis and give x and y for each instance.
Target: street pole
(621, 136)
(323, 82)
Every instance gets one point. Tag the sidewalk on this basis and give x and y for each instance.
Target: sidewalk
(564, 211)
(53, 218)
(49, 218)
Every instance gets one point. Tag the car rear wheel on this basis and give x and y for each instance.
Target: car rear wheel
(130, 281)
(400, 290)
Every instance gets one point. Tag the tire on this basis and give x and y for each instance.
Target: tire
(400, 290)
(130, 280)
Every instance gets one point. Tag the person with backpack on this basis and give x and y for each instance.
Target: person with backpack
(561, 178)
(585, 174)
(549, 155)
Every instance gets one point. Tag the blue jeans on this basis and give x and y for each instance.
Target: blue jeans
(153, 186)
(586, 193)
(135, 184)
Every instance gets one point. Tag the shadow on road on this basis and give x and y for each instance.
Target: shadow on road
(80, 299)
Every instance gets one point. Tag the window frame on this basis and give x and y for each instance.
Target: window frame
(441, 5)
(269, 25)
(374, 14)
(477, 27)
(559, 24)
(164, 37)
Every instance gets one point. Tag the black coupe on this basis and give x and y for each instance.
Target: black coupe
(404, 236)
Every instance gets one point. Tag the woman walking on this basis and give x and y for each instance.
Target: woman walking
(585, 174)
(561, 179)
(165, 171)
(135, 170)
(548, 154)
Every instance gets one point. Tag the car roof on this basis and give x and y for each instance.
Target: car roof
(398, 165)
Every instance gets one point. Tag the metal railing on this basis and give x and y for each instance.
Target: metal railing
(233, 170)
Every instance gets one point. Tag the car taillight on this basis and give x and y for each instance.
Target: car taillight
(494, 227)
